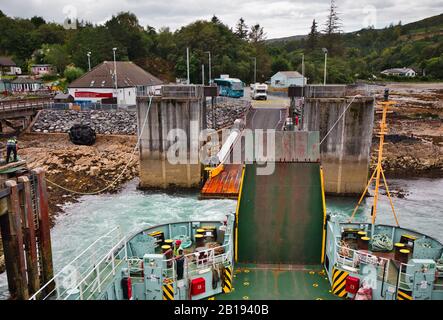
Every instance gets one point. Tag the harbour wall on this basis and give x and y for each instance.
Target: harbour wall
(179, 107)
(345, 153)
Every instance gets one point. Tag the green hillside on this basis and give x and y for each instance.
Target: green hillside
(352, 56)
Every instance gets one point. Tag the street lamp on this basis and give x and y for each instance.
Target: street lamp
(115, 69)
(89, 60)
(326, 59)
(210, 67)
(255, 69)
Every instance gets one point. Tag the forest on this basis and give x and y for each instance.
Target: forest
(359, 55)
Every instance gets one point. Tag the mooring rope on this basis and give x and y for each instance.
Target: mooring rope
(330, 130)
(124, 169)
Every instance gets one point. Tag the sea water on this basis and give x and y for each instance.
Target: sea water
(84, 221)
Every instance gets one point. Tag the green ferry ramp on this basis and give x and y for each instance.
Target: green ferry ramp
(279, 240)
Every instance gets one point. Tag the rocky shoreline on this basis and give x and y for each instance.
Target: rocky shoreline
(124, 122)
(414, 144)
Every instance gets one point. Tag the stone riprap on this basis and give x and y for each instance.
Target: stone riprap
(226, 113)
(103, 122)
(125, 122)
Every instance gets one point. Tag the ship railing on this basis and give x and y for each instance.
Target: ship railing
(353, 258)
(195, 262)
(106, 268)
(82, 266)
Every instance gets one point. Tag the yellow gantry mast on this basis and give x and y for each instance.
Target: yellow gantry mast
(378, 172)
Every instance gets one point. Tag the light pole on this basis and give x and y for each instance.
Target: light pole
(303, 67)
(115, 68)
(255, 70)
(115, 76)
(210, 67)
(203, 74)
(187, 65)
(89, 60)
(326, 59)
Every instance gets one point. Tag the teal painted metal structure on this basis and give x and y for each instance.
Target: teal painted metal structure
(420, 278)
(100, 271)
(230, 87)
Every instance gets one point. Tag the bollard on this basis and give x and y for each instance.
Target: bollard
(27, 214)
(44, 236)
(12, 235)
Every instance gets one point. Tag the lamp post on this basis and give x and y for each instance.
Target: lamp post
(187, 66)
(203, 74)
(255, 70)
(303, 67)
(115, 68)
(210, 67)
(326, 59)
(115, 76)
(89, 60)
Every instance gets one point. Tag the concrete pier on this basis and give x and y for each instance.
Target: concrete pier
(345, 153)
(179, 108)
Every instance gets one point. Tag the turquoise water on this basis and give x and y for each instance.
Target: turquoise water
(131, 209)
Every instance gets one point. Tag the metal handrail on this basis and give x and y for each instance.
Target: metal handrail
(339, 247)
(97, 270)
(66, 267)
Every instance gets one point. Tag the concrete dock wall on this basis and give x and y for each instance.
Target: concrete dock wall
(345, 153)
(180, 107)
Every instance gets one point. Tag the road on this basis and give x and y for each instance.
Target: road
(272, 102)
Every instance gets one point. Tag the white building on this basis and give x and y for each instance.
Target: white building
(99, 84)
(25, 84)
(399, 72)
(284, 79)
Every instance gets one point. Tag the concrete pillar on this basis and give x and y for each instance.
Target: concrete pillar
(180, 107)
(345, 153)
(44, 236)
(12, 237)
(27, 214)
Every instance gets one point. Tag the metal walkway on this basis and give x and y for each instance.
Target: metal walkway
(226, 185)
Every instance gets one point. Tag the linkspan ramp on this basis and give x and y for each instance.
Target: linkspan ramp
(281, 216)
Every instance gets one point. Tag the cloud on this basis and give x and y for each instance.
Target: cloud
(280, 17)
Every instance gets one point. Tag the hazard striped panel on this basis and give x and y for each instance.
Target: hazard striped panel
(227, 279)
(339, 282)
(404, 295)
(168, 291)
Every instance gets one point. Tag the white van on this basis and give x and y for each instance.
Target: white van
(259, 91)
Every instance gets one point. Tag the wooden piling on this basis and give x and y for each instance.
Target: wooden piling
(12, 236)
(44, 237)
(27, 214)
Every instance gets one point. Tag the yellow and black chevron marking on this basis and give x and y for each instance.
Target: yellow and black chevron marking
(339, 282)
(227, 279)
(404, 295)
(168, 291)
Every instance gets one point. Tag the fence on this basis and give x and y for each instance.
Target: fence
(90, 107)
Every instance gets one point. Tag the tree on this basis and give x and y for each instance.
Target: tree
(312, 41)
(280, 64)
(71, 73)
(57, 55)
(215, 20)
(37, 21)
(257, 34)
(125, 29)
(333, 24)
(241, 29)
(332, 30)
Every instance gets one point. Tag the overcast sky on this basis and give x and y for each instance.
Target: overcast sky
(280, 18)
